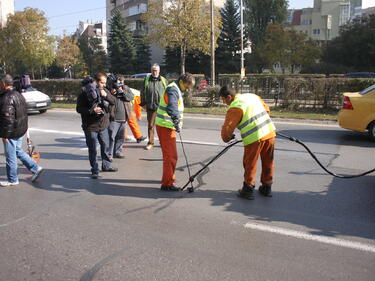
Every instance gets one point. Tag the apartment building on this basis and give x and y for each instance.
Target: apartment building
(132, 11)
(6, 8)
(98, 30)
(323, 21)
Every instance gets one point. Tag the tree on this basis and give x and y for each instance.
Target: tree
(258, 15)
(67, 54)
(183, 24)
(229, 41)
(25, 41)
(143, 53)
(354, 47)
(290, 48)
(121, 49)
(93, 54)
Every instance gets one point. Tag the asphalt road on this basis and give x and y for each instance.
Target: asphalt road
(67, 226)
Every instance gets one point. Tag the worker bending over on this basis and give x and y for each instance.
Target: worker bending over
(169, 116)
(250, 115)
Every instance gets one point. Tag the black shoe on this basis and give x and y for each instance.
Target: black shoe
(121, 156)
(169, 188)
(141, 139)
(265, 190)
(94, 176)
(110, 169)
(247, 191)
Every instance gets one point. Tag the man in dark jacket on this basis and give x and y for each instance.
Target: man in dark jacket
(94, 104)
(13, 125)
(153, 89)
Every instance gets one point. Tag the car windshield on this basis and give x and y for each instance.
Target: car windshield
(366, 91)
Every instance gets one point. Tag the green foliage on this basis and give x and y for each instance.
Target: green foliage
(93, 54)
(196, 61)
(258, 15)
(121, 48)
(355, 46)
(25, 42)
(180, 24)
(229, 41)
(68, 54)
(288, 47)
(322, 93)
(142, 60)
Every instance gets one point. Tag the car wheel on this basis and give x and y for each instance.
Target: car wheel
(371, 131)
(43, 110)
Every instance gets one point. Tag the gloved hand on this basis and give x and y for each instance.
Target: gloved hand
(176, 124)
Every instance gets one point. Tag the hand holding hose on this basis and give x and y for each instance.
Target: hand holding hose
(176, 124)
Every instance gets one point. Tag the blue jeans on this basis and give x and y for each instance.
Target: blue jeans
(102, 137)
(13, 150)
(116, 132)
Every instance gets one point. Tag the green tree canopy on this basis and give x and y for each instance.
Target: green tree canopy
(25, 41)
(121, 48)
(93, 54)
(68, 53)
(229, 41)
(354, 48)
(143, 53)
(180, 24)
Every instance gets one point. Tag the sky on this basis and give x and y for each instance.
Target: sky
(64, 15)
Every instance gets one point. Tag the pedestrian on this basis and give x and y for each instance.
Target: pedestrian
(169, 118)
(94, 104)
(13, 126)
(250, 115)
(153, 89)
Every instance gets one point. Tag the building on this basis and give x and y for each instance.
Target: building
(132, 11)
(368, 11)
(6, 8)
(323, 21)
(98, 30)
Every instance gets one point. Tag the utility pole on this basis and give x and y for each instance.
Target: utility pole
(212, 44)
(242, 57)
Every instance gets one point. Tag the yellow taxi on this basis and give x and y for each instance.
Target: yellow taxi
(358, 112)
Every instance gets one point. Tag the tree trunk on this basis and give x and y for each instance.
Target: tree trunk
(182, 59)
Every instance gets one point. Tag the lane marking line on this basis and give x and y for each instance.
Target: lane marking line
(311, 237)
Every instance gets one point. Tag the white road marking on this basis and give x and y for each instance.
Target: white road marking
(57, 132)
(307, 236)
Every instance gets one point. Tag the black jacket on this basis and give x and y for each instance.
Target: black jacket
(13, 115)
(90, 120)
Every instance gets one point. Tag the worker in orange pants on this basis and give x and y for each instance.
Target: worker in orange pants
(169, 116)
(250, 115)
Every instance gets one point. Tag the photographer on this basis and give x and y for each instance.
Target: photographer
(94, 104)
(122, 113)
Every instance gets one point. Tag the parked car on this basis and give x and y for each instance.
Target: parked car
(140, 75)
(36, 100)
(358, 112)
(360, 75)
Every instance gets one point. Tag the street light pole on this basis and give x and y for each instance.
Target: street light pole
(241, 26)
(212, 44)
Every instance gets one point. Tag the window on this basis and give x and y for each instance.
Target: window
(344, 14)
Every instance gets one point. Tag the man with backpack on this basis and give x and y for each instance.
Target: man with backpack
(13, 125)
(94, 104)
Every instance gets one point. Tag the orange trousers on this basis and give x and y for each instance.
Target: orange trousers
(133, 124)
(167, 139)
(264, 148)
(137, 107)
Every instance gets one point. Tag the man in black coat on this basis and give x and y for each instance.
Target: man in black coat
(13, 125)
(94, 104)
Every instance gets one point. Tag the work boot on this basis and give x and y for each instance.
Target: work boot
(247, 191)
(265, 190)
(169, 188)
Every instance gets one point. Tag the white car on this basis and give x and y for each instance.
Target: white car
(36, 100)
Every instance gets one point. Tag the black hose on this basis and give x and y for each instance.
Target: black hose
(191, 189)
(320, 164)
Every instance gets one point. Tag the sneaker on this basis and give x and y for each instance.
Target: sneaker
(8, 183)
(121, 156)
(141, 139)
(247, 191)
(265, 190)
(94, 176)
(169, 188)
(149, 146)
(37, 174)
(110, 169)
